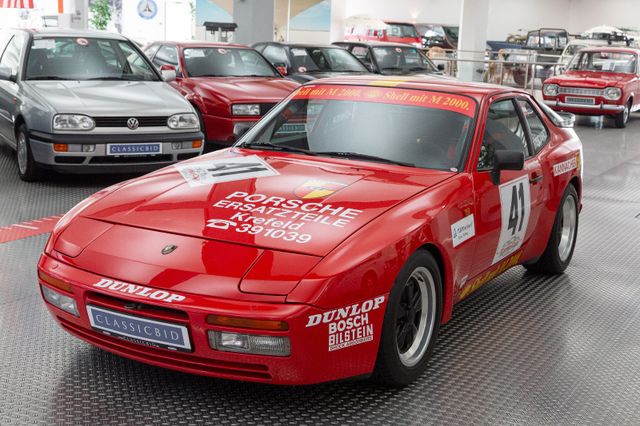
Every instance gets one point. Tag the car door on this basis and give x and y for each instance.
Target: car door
(9, 100)
(507, 212)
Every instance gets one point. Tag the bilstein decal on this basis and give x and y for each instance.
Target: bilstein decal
(139, 290)
(348, 326)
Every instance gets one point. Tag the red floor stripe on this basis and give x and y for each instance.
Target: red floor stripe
(27, 229)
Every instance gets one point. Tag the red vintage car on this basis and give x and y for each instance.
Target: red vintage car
(598, 81)
(331, 241)
(231, 86)
(396, 32)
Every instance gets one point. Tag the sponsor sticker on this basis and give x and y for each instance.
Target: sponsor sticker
(478, 282)
(82, 41)
(224, 170)
(566, 166)
(463, 230)
(347, 326)
(45, 43)
(139, 290)
(317, 189)
(515, 208)
(302, 69)
(223, 51)
(390, 95)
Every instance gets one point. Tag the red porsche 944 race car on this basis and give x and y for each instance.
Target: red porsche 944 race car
(331, 241)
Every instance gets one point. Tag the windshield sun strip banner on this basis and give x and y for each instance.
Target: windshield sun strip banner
(422, 98)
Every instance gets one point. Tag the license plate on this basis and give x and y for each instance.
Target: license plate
(134, 148)
(140, 330)
(580, 101)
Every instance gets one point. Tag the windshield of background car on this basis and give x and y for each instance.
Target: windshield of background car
(426, 129)
(80, 58)
(313, 59)
(402, 59)
(225, 62)
(452, 32)
(604, 61)
(401, 30)
(547, 39)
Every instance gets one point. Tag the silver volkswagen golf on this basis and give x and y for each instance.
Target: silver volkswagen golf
(82, 101)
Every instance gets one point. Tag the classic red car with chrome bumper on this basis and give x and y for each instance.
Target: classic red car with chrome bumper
(231, 86)
(330, 242)
(598, 81)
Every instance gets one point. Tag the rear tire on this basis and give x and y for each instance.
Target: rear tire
(562, 241)
(411, 321)
(622, 118)
(28, 169)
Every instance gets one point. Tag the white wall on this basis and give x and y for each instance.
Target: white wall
(172, 22)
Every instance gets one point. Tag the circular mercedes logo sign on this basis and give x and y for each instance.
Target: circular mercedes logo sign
(133, 123)
(168, 249)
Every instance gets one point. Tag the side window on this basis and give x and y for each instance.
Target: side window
(166, 55)
(362, 53)
(259, 47)
(11, 56)
(537, 130)
(275, 55)
(503, 130)
(4, 39)
(151, 50)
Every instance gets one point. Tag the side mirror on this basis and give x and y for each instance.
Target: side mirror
(440, 67)
(7, 74)
(567, 119)
(282, 68)
(240, 129)
(504, 159)
(168, 72)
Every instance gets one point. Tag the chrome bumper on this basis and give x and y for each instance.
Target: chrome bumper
(601, 107)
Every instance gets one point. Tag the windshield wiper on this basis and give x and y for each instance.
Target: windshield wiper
(273, 146)
(364, 157)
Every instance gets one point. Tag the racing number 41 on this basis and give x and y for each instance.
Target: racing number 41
(516, 211)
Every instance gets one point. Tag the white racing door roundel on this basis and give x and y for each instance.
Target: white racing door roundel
(515, 208)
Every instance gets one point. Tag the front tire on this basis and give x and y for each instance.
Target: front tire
(411, 322)
(622, 118)
(28, 169)
(562, 241)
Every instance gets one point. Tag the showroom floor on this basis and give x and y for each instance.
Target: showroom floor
(524, 349)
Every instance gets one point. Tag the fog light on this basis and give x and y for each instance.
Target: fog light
(259, 324)
(176, 145)
(61, 301)
(60, 147)
(249, 343)
(88, 148)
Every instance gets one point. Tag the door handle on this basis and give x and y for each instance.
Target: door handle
(535, 178)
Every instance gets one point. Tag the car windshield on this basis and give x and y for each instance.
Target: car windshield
(226, 62)
(402, 30)
(402, 59)
(86, 58)
(313, 59)
(604, 61)
(547, 39)
(380, 124)
(452, 32)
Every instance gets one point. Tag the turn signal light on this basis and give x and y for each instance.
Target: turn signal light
(60, 147)
(255, 324)
(55, 282)
(196, 144)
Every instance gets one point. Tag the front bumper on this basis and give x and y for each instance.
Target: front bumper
(97, 161)
(310, 361)
(600, 109)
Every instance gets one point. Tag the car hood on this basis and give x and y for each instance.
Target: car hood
(106, 98)
(245, 89)
(592, 79)
(263, 199)
(313, 75)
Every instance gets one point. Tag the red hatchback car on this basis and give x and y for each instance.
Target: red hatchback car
(231, 86)
(598, 81)
(331, 241)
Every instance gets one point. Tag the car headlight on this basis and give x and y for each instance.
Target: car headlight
(245, 109)
(72, 122)
(612, 93)
(249, 343)
(183, 121)
(550, 89)
(59, 300)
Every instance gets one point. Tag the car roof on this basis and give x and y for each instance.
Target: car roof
(477, 90)
(377, 43)
(611, 49)
(66, 32)
(200, 43)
